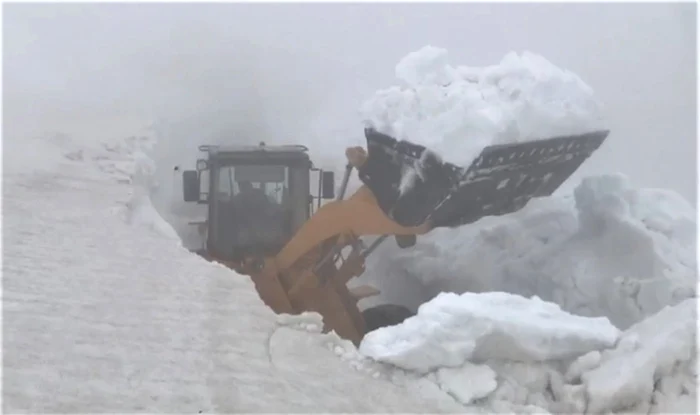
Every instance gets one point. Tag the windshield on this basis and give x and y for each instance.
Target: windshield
(273, 181)
(251, 209)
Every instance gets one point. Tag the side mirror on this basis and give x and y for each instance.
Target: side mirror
(190, 185)
(328, 183)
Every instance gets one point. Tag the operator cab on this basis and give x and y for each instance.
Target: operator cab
(257, 197)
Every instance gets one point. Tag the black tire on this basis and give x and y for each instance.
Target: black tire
(405, 241)
(385, 315)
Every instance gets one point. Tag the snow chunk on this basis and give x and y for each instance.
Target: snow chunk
(451, 329)
(457, 111)
(524, 383)
(627, 377)
(468, 382)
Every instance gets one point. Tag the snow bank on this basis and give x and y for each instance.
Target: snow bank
(128, 160)
(457, 111)
(611, 250)
(125, 160)
(506, 348)
(492, 349)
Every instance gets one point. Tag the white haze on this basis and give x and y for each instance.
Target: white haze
(298, 72)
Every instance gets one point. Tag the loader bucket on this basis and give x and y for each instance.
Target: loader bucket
(413, 185)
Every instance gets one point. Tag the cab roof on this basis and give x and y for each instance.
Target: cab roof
(214, 150)
(259, 153)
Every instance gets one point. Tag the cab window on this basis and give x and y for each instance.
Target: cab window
(273, 180)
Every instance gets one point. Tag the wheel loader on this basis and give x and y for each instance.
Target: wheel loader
(300, 253)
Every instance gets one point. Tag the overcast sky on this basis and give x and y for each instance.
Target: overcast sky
(290, 69)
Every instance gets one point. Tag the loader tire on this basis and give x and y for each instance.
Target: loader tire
(405, 241)
(385, 315)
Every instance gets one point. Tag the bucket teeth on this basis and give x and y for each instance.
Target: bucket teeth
(412, 184)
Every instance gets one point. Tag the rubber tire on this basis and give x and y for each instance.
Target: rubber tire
(385, 315)
(405, 241)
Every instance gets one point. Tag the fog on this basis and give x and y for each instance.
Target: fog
(298, 72)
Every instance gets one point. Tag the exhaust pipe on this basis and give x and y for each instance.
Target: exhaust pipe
(344, 183)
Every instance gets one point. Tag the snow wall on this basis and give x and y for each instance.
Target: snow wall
(612, 267)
